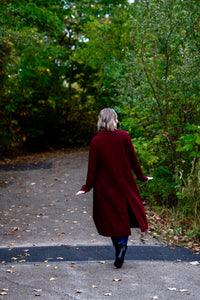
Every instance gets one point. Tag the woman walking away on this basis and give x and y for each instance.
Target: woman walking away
(117, 204)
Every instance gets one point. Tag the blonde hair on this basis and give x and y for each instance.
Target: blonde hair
(107, 119)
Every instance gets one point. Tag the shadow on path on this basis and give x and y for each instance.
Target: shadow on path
(94, 253)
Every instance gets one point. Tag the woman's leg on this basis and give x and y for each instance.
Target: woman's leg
(120, 244)
(123, 240)
(118, 240)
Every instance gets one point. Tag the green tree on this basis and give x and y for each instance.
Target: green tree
(45, 92)
(148, 55)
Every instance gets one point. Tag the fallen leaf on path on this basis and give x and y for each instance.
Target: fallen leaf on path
(154, 297)
(60, 233)
(172, 289)
(194, 263)
(182, 290)
(15, 228)
(94, 286)
(107, 294)
(74, 266)
(10, 271)
(52, 278)
(116, 279)
(3, 292)
(78, 292)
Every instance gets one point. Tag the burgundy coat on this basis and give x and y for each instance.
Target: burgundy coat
(117, 203)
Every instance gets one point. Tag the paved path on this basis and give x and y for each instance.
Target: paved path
(39, 208)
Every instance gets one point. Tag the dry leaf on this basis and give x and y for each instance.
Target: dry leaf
(52, 278)
(102, 262)
(15, 228)
(117, 279)
(194, 263)
(107, 294)
(182, 290)
(172, 289)
(78, 292)
(10, 271)
(60, 258)
(60, 234)
(154, 297)
(94, 286)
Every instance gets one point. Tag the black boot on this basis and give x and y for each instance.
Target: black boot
(120, 254)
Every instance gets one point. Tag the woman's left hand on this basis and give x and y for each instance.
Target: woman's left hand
(80, 192)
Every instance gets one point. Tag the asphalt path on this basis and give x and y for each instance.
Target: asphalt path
(50, 248)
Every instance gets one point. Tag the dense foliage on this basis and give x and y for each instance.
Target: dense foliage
(62, 61)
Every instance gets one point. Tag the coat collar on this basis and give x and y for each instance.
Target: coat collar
(108, 132)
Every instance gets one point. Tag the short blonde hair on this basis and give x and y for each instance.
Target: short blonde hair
(107, 119)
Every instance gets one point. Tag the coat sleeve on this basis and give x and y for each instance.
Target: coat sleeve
(135, 165)
(92, 167)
